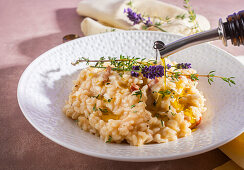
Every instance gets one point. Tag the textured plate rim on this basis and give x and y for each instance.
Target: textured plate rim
(122, 158)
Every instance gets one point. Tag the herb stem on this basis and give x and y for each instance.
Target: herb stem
(159, 28)
(198, 75)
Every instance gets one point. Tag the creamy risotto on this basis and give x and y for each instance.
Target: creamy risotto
(119, 107)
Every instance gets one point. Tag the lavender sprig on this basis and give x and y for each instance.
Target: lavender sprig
(183, 66)
(192, 17)
(138, 18)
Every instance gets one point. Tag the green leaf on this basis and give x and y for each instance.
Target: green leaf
(144, 27)
(158, 24)
(194, 77)
(133, 106)
(138, 93)
(109, 139)
(94, 108)
(103, 110)
(162, 123)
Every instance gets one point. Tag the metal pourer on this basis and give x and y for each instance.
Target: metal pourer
(232, 29)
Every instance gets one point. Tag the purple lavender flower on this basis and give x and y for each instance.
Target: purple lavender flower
(133, 16)
(148, 22)
(183, 65)
(168, 66)
(153, 71)
(134, 74)
(135, 67)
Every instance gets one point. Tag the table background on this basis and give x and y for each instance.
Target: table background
(30, 27)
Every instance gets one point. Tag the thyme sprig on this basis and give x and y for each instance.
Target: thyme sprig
(121, 64)
(192, 17)
(210, 76)
(149, 69)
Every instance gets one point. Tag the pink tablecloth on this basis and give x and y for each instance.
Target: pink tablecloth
(29, 28)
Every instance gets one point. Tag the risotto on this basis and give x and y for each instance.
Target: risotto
(119, 107)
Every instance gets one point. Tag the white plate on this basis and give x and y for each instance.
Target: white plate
(46, 83)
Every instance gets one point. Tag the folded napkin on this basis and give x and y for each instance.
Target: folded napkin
(108, 15)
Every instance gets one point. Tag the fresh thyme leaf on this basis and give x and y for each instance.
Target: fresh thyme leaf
(144, 27)
(164, 93)
(133, 106)
(183, 16)
(96, 96)
(173, 113)
(157, 24)
(157, 115)
(194, 77)
(109, 139)
(109, 100)
(138, 93)
(167, 19)
(107, 83)
(162, 123)
(169, 107)
(210, 77)
(121, 74)
(103, 110)
(94, 108)
(86, 59)
(176, 75)
(229, 80)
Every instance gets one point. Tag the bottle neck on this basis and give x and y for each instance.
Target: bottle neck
(234, 28)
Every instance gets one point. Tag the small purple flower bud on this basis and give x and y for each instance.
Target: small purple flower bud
(135, 67)
(134, 74)
(168, 66)
(183, 65)
(148, 22)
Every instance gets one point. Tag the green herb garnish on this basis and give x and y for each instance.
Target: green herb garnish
(138, 93)
(103, 110)
(109, 139)
(162, 123)
(164, 93)
(194, 77)
(94, 108)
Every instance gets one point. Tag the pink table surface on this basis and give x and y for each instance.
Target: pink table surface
(29, 28)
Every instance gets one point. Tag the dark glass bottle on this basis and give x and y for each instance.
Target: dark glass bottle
(234, 28)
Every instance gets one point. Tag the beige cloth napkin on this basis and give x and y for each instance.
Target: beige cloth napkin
(104, 16)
